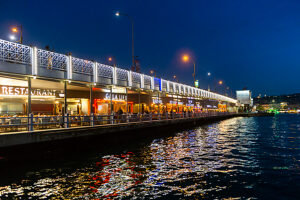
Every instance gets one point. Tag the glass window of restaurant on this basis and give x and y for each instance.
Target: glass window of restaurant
(110, 100)
(139, 101)
(78, 99)
(47, 97)
(156, 105)
(13, 96)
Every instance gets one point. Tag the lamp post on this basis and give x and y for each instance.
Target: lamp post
(113, 60)
(220, 83)
(132, 34)
(208, 75)
(186, 58)
(153, 72)
(17, 29)
(177, 108)
(175, 78)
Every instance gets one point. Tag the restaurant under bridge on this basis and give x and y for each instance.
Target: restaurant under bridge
(41, 89)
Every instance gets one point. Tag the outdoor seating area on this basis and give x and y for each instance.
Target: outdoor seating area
(36, 122)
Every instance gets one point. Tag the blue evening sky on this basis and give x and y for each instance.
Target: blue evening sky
(253, 44)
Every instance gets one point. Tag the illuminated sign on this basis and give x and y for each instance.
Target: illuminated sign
(196, 83)
(175, 102)
(157, 101)
(23, 91)
(115, 97)
(190, 103)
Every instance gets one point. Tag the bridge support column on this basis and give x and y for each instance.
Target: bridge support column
(139, 102)
(65, 98)
(111, 107)
(29, 96)
(91, 106)
(91, 100)
(127, 101)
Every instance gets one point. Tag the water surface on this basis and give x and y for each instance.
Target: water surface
(255, 158)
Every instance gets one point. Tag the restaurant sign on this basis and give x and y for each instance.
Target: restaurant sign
(116, 97)
(23, 91)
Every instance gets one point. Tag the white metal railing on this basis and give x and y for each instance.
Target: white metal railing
(105, 71)
(14, 52)
(51, 60)
(38, 58)
(81, 66)
(31, 123)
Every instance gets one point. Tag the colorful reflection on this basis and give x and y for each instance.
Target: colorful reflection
(234, 158)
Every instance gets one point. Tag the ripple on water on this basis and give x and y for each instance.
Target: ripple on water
(235, 158)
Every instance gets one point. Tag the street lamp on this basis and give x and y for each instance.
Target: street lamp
(186, 58)
(132, 35)
(112, 59)
(153, 72)
(175, 78)
(220, 83)
(17, 29)
(208, 75)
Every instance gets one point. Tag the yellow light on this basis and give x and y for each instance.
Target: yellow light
(14, 29)
(109, 59)
(185, 58)
(220, 82)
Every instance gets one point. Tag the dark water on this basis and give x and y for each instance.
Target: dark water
(240, 158)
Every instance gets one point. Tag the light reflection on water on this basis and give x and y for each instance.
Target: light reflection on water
(235, 158)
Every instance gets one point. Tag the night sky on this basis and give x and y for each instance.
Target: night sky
(253, 44)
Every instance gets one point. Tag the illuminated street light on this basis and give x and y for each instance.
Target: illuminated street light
(112, 59)
(186, 58)
(12, 37)
(220, 82)
(153, 72)
(17, 29)
(175, 78)
(132, 35)
(208, 74)
(14, 29)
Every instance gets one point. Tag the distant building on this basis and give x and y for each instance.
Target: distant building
(282, 102)
(244, 98)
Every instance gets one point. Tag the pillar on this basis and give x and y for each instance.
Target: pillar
(127, 101)
(65, 98)
(110, 100)
(29, 96)
(139, 101)
(91, 100)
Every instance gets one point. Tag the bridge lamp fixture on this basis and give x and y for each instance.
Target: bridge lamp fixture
(175, 77)
(153, 72)
(12, 37)
(113, 60)
(15, 30)
(220, 82)
(186, 58)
